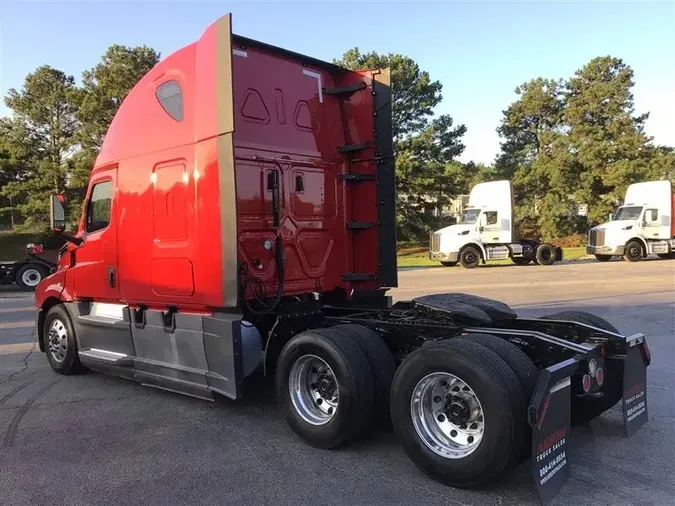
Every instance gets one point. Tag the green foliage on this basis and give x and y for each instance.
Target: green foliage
(576, 142)
(51, 144)
(424, 144)
(106, 85)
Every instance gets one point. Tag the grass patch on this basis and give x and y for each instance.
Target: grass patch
(419, 257)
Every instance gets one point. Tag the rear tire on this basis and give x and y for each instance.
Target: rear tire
(59, 341)
(633, 251)
(30, 275)
(469, 257)
(324, 387)
(545, 254)
(584, 409)
(380, 360)
(603, 258)
(415, 400)
(521, 365)
(448, 264)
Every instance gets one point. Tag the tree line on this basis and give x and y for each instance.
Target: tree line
(564, 143)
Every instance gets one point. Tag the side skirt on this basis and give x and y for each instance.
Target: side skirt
(191, 354)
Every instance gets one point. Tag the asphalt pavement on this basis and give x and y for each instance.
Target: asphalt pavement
(91, 439)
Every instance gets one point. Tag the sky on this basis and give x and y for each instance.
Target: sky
(479, 50)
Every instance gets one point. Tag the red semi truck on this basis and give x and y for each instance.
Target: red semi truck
(241, 216)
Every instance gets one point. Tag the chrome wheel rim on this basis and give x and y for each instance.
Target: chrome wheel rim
(31, 277)
(447, 415)
(314, 390)
(58, 340)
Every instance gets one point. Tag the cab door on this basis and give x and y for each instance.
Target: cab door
(94, 271)
(490, 229)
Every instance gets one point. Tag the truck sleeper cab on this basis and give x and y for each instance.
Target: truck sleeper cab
(240, 217)
(642, 226)
(486, 232)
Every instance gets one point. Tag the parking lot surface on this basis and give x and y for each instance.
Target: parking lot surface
(91, 439)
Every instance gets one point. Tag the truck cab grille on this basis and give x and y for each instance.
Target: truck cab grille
(435, 245)
(596, 238)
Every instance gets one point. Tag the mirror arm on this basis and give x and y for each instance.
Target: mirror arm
(77, 241)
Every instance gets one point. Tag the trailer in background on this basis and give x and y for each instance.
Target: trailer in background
(29, 271)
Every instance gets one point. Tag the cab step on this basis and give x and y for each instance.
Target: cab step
(109, 357)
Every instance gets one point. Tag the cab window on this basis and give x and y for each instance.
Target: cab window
(651, 215)
(491, 218)
(98, 207)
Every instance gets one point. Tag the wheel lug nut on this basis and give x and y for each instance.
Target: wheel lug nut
(453, 433)
(437, 399)
(441, 418)
(319, 400)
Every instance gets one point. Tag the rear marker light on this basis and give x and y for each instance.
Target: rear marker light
(586, 382)
(600, 376)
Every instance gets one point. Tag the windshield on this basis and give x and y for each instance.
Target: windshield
(470, 216)
(628, 213)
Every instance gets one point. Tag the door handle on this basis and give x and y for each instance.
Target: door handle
(111, 277)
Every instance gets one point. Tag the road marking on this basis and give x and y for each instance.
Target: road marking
(8, 349)
(18, 325)
(16, 309)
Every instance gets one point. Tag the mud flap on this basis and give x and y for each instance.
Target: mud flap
(635, 385)
(549, 417)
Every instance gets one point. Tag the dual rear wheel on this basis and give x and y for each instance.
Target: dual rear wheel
(458, 406)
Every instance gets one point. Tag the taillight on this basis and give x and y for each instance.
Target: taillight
(600, 376)
(586, 383)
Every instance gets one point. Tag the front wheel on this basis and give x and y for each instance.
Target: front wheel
(603, 258)
(469, 257)
(633, 251)
(59, 341)
(459, 412)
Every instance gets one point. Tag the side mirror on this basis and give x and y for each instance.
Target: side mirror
(57, 214)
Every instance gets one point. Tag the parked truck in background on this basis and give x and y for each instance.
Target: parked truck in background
(239, 220)
(486, 232)
(642, 226)
(29, 271)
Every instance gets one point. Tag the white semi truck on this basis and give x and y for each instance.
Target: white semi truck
(642, 226)
(486, 232)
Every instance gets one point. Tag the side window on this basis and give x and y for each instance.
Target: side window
(170, 96)
(98, 207)
(651, 215)
(491, 218)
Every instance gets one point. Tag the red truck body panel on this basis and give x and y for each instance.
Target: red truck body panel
(191, 204)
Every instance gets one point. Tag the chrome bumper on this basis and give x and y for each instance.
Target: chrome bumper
(443, 257)
(604, 250)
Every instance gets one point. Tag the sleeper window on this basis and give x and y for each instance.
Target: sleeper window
(98, 208)
(170, 97)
